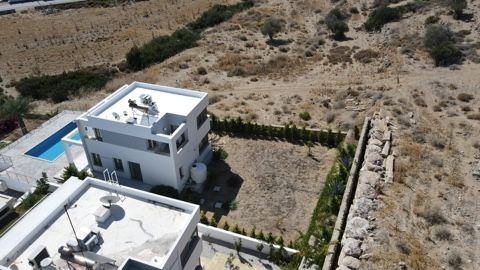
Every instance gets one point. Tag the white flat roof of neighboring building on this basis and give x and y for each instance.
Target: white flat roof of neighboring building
(142, 225)
(167, 99)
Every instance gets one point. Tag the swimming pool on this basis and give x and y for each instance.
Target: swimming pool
(52, 147)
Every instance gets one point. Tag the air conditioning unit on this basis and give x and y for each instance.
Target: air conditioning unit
(38, 254)
(146, 99)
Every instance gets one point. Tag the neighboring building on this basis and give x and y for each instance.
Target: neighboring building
(148, 133)
(136, 230)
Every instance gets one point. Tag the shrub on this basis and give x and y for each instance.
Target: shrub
(465, 97)
(434, 216)
(381, 16)
(166, 191)
(457, 6)
(236, 71)
(203, 218)
(455, 261)
(219, 154)
(335, 23)
(432, 20)
(446, 54)
(226, 226)
(201, 71)
(59, 87)
(474, 116)
(305, 116)
(366, 56)
(354, 10)
(218, 14)
(443, 234)
(270, 27)
(71, 170)
(439, 40)
(161, 48)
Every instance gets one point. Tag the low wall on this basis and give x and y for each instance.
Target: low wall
(248, 243)
(15, 184)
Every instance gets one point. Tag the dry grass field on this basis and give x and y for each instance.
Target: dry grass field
(429, 216)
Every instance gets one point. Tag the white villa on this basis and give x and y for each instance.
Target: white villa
(93, 224)
(149, 133)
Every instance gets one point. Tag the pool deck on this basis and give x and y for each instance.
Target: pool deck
(26, 168)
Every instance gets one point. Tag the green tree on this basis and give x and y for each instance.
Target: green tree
(336, 24)
(271, 27)
(17, 108)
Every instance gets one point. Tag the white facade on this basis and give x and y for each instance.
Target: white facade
(143, 230)
(148, 133)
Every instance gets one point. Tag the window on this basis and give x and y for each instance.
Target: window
(201, 118)
(98, 134)
(203, 144)
(97, 161)
(182, 140)
(118, 164)
(180, 170)
(151, 144)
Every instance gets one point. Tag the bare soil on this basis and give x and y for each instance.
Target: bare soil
(275, 184)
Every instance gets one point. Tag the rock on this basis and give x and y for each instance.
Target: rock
(389, 167)
(362, 207)
(375, 134)
(366, 256)
(367, 191)
(374, 158)
(387, 136)
(376, 142)
(312, 240)
(386, 149)
(351, 247)
(373, 168)
(402, 265)
(369, 177)
(342, 267)
(371, 148)
(183, 66)
(351, 262)
(356, 228)
(410, 114)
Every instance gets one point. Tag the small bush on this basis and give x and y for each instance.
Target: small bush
(434, 216)
(305, 116)
(457, 7)
(219, 154)
(381, 16)
(438, 143)
(446, 54)
(474, 116)
(431, 20)
(465, 97)
(330, 117)
(443, 234)
(166, 191)
(201, 71)
(237, 71)
(455, 261)
(354, 10)
(366, 56)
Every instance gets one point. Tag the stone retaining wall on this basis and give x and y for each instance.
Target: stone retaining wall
(377, 169)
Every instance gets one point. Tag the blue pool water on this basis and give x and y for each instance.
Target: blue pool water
(52, 147)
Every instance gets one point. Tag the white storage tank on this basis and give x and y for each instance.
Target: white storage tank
(198, 172)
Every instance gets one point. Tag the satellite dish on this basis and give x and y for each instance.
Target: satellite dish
(116, 115)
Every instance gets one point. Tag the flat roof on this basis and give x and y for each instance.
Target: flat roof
(142, 225)
(167, 100)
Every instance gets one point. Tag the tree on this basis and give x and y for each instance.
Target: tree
(270, 27)
(440, 42)
(17, 108)
(335, 23)
(457, 7)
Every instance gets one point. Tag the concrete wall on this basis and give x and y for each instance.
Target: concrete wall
(230, 238)
(14, 184)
